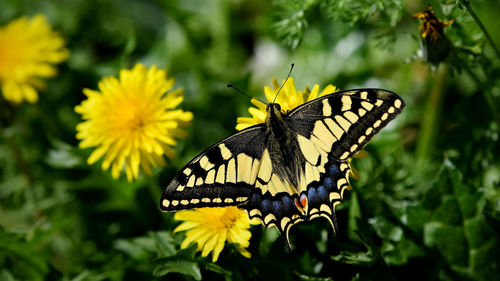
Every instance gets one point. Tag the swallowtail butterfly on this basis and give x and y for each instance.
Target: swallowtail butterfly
(292, 168)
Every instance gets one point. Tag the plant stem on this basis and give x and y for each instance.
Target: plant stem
(430, 120)
(481, 26)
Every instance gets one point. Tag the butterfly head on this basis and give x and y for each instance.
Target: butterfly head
(273, 114)
(273, 108)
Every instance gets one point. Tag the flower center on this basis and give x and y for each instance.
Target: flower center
(229, 219)
(137, 123)
(131, 116)
(223, 218)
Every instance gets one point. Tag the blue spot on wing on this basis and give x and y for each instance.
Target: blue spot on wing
(267, 206)
(277, 206)
(322, 192)
(311, 194)
(287, 201)
(328, 182)
(333, 170)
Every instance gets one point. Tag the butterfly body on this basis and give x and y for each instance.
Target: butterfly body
(293, 167)
(282, 147)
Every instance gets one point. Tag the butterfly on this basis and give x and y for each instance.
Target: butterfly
(292, 168)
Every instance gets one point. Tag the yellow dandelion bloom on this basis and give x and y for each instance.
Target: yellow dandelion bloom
(289, 98)
(29, 48)
(132, 121)
(210, 228)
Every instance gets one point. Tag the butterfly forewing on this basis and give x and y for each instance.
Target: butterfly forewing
(345, 121)
(222, 175)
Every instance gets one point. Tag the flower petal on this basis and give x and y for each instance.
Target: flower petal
(219, 246)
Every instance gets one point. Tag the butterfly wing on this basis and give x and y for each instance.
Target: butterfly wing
(222, 175)
(329, 131)
(345, 121)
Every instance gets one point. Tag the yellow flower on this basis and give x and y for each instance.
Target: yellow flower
(29, 48)
(289, 98)
(210, 228)
(132, 121)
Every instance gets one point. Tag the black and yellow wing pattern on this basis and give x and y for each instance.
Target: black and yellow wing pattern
(290, 169)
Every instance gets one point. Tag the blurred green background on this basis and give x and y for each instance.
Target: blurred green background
(427, 205)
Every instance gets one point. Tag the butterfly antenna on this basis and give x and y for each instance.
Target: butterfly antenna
(288, 76)
(237, 90)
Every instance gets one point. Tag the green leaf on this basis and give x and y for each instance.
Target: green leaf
(219, 269)
(292, 20)
(401, 252)
(183, 262)
(484, 261)
(184, 267)
(416, 217)
(269, 236)
(449, 240)
(477, 231)
(5, 275)
(27, 261)
(351, 11)
(354, 216)
(304, 277)
(371, 256)
(155, 244)
(359, 258)
(448, 211)
(63, 155)
(140, 248)
(164, 242)
(466, 195)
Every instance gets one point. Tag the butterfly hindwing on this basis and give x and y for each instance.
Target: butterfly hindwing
(323, 194)
(222, 175)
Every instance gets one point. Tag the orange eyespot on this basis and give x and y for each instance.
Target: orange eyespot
(301, 203)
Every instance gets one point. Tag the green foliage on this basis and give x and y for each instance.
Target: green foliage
(427, 206)
(293, 15)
